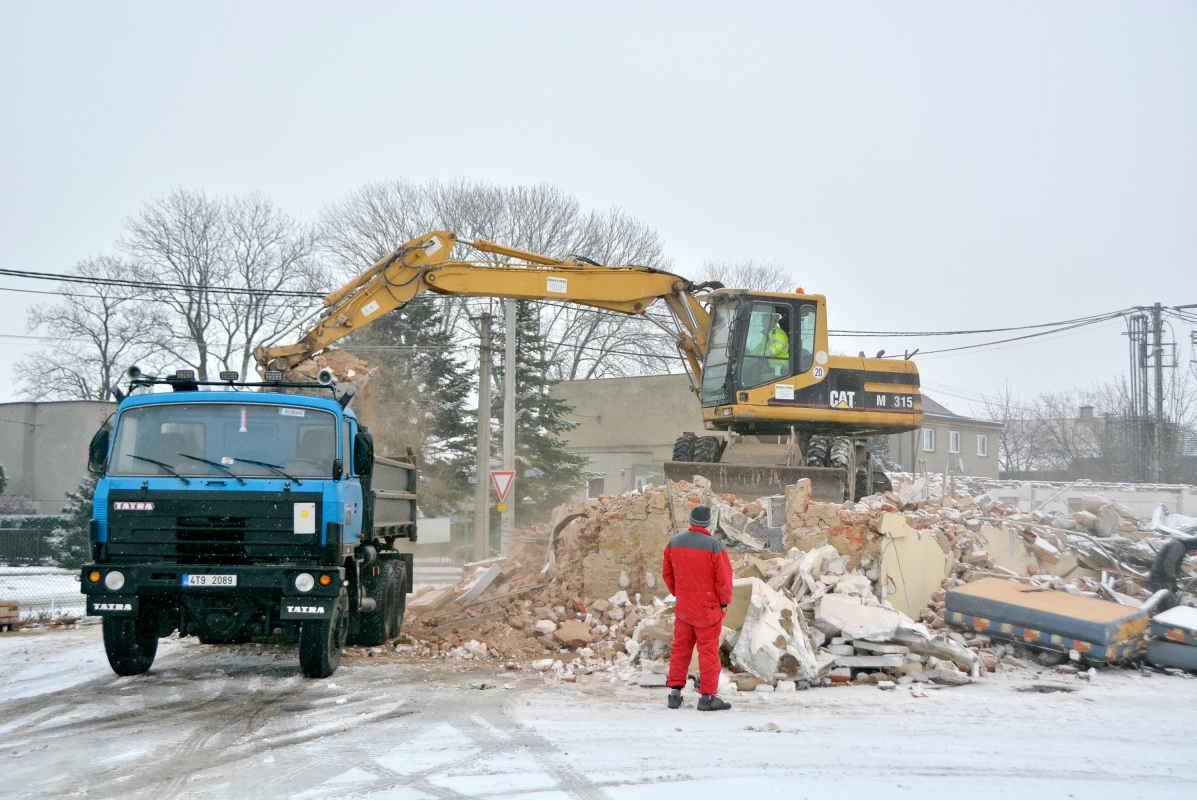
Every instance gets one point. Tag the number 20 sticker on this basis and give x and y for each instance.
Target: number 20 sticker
(819, 372)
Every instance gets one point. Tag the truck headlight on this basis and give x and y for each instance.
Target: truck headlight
(114, 580)
(304, 582)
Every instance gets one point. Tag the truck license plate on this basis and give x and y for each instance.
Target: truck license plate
(209, 580)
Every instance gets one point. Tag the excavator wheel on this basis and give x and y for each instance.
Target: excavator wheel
(840, 455)
(816, 451)
(707, 449)
(683, 448)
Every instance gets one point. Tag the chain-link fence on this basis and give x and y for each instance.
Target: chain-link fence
(28, 575)
(42, 593)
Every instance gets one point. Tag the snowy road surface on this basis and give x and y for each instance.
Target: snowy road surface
(220, 722)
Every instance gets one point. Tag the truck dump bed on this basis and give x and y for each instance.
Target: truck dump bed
(394, 493)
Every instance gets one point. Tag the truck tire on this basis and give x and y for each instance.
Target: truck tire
(131, 643)
(706, 449)
(321, 641)
(390, 598)
(683, 448)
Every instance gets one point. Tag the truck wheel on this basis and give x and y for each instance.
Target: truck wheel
(399, 606)
(683, 448)
(131, 643)
(321, 641)
(706, 449)
(390, 597)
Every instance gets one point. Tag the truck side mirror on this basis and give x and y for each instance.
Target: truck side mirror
(338, 469)
(363, 453)
(97, 452)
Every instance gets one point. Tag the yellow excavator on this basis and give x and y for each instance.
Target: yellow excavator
(758, 361)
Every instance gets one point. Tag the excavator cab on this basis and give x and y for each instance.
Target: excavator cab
(790, 410)
(756, 340)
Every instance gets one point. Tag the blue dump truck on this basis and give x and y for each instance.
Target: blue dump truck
(229, 511)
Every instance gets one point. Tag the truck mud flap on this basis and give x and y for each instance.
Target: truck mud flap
(750, 481)
(114, 606)
(307, 607)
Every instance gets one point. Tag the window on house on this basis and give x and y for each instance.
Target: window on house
(595, 486)
(928, 440)
(953, 441)
(982, 444)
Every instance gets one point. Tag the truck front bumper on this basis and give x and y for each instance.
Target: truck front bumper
(119, 589)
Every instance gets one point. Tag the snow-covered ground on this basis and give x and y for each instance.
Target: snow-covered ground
(49, 593)
(240, 722)
(44, 592)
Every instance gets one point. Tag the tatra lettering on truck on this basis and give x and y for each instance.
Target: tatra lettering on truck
(232, 510)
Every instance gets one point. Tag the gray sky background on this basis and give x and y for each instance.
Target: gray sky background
(925, 165)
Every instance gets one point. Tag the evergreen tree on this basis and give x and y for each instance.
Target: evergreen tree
(70, 543)
(419, 398)
(545, 474)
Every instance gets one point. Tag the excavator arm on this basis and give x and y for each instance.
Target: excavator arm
(424, 265)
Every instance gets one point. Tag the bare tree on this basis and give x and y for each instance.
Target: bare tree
(762, 276)
(179, 239)
(1018, 443)
(225, 265)
(271, 252)
(97, 332)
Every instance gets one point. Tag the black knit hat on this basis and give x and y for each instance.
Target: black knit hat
(700, 516)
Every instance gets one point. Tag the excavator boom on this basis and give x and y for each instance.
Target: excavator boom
(423, 265)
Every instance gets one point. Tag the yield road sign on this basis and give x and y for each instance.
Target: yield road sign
(502, 480)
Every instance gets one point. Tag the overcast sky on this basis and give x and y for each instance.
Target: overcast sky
(925, 165)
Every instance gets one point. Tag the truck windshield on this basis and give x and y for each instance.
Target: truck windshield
(714, 369)
(298, 440)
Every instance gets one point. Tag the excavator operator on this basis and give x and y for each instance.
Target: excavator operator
(767, 351)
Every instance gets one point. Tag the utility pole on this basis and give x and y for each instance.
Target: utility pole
(1158, 344)
(508, 529)
(482, 470)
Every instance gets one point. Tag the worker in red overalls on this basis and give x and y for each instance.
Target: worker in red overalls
(699, 574)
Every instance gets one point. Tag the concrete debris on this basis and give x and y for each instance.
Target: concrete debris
(862, 592)
(773, 634)
(855, 620)
(483, 578)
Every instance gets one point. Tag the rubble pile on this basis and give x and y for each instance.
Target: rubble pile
(824, 593)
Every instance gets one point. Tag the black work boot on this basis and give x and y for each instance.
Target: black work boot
(709, 702)
(675, 699)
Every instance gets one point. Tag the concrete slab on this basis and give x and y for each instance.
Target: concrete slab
(913, 565)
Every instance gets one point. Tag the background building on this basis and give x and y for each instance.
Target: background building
(43, 447)
(963, 445)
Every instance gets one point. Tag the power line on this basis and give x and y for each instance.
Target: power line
(152, 285)
(1078, 320)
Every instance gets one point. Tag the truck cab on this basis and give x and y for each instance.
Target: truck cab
(228, 511)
